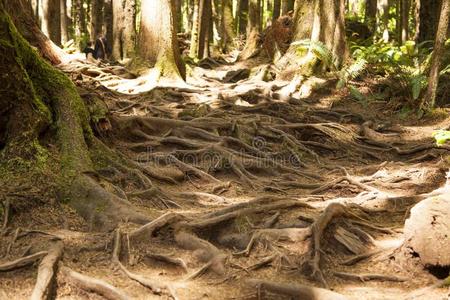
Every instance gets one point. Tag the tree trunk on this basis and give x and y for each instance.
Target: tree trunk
(428, 19)
(96, 19)
(108, 23)
(242, 14)
(227, 25)
(276, 9)
(405, 6)
(22, 16)
(253, 29)
(129, 30)
(51, 25)
(118, 25)
(439, 49)
(35, 4)
(195, 31)
(200, 29)
(383, 22)
(64, 22)
(43, 101)
(370, 15)
(179, 15)
(158, 41)
(286, 6)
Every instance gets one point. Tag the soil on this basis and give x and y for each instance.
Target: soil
(328, 184)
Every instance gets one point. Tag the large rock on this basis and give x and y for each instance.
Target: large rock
(427, 231)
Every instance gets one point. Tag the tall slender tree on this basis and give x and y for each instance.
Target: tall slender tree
(276, 9)
(51, 20)
(227, 25)
(370, 15)
(405, 6)
(64, 22)
(253, 29)
(429, 99)
(96, 18)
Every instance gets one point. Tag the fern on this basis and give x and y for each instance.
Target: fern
(446, 70)
(319, 50)
(351, 72)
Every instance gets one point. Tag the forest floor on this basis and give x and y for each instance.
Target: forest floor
(251, 184)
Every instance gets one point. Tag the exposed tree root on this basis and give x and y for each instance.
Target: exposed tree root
(22, 262)
(170, 260)
(6, 211)
(205, 251)
(289, 234)
(296, 291)
(93, 285)
(369, 277)
(47, 272)
(156, 286)
(357, 258)
(334, 210)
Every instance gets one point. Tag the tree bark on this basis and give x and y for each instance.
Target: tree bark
(286, 6)
(428, 19)
(22, 16)
(276, 9)
(129, 30)
(370, 15)
(158, 41)
(42, 100)
(439, 49)
(51, 22)
(96, 19)
(201, 29)
(227, 25)
(383, 22)
(253, 29)
(242, 16)
(64, 22)
(405, 6)
(108, 23)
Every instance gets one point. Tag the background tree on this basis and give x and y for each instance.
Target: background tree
(439, 49)
(51, 20)
(158, 41)
(96, 18)
(253, 29)
(227, 25)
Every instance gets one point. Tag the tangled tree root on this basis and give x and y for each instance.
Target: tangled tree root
(47, 272)
(22, 262)
(295, 291)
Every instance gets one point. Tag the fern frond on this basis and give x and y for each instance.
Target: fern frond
(319, 49)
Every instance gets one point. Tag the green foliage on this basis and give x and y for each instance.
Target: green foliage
(319, 50)
(441, 136)
(405, 66)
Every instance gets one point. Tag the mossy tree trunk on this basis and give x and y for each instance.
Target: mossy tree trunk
(158, 41)
(436, 59)
(22, 15)
(227, 25)
(42, 101)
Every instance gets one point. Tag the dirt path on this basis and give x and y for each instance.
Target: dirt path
(243, 181)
